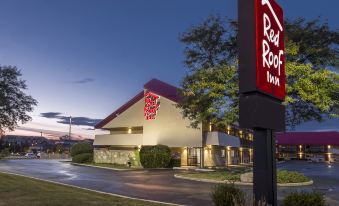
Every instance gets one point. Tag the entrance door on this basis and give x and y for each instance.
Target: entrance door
(193, 156)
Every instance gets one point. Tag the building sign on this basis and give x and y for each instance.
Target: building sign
(152, 105)
(270, 66)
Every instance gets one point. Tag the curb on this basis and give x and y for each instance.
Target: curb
(107, 168)
(295, 184)
(242, 183)
(212, 181)
(117, 169)
(91, 190)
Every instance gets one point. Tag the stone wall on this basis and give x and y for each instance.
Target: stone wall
(213, 156)
(113, 156)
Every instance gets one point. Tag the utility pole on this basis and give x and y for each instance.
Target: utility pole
(70, 127)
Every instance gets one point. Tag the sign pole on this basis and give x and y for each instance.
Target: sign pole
(264, 168)
(262, 88)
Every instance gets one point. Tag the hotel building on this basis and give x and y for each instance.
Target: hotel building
(313, 146)
(152, 117)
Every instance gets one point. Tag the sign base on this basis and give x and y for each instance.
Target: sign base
(260, 111)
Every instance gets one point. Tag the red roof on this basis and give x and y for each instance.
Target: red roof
(308, 138)
(155, 86)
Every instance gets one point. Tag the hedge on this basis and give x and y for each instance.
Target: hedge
(228, 195)
(83, 158)
(305, 199)
(81, 147)
(284, 176)
(157, 156)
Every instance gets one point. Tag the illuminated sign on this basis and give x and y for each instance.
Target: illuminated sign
(152, 105)
(270, 65)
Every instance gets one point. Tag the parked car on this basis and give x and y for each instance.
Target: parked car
(30, 155)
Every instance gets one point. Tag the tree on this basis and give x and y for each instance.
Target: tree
(80, 148)
(59, 148)
(211, 43)
(14, 103)
(312, 89)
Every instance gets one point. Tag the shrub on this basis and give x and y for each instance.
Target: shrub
(228, 195)
(5, 152)
(83, 158)
(81, 147)
(174, 162)
(284, 176)
(157, 156)
(304, 199)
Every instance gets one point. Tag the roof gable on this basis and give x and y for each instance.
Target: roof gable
(155, 86)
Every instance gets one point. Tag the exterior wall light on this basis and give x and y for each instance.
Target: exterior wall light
(228, 129)
(328, 146)
(139, 148)
(129, 131)
(300, 155)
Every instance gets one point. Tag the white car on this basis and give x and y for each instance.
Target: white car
(30, 155)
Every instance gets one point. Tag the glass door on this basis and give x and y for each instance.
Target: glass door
(192, 157)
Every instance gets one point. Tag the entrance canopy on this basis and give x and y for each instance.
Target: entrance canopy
(222, 139)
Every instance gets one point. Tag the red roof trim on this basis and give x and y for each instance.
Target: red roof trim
(163, 89)
(121, 109)
(155, 86)
(308, 138)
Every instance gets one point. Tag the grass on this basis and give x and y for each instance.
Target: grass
(21, 191)
(216, 175)
(284, 176)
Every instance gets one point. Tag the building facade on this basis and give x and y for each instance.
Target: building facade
(152, 117)
(312, 146)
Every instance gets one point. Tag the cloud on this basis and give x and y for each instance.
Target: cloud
(83, 81)
(79, 121)
(50, 114)
(49, 134)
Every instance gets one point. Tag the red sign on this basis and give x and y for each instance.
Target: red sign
(270, 65)
(152, 105)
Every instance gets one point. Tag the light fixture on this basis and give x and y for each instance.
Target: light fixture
(129, 131)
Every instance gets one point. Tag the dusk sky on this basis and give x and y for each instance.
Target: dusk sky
(86, 58)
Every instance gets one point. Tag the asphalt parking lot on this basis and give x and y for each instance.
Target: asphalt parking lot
(161, 185)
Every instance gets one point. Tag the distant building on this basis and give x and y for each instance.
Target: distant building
(317, 146)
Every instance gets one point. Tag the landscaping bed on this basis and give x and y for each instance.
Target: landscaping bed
(216, 175)
(284, 177)
(21, 191)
